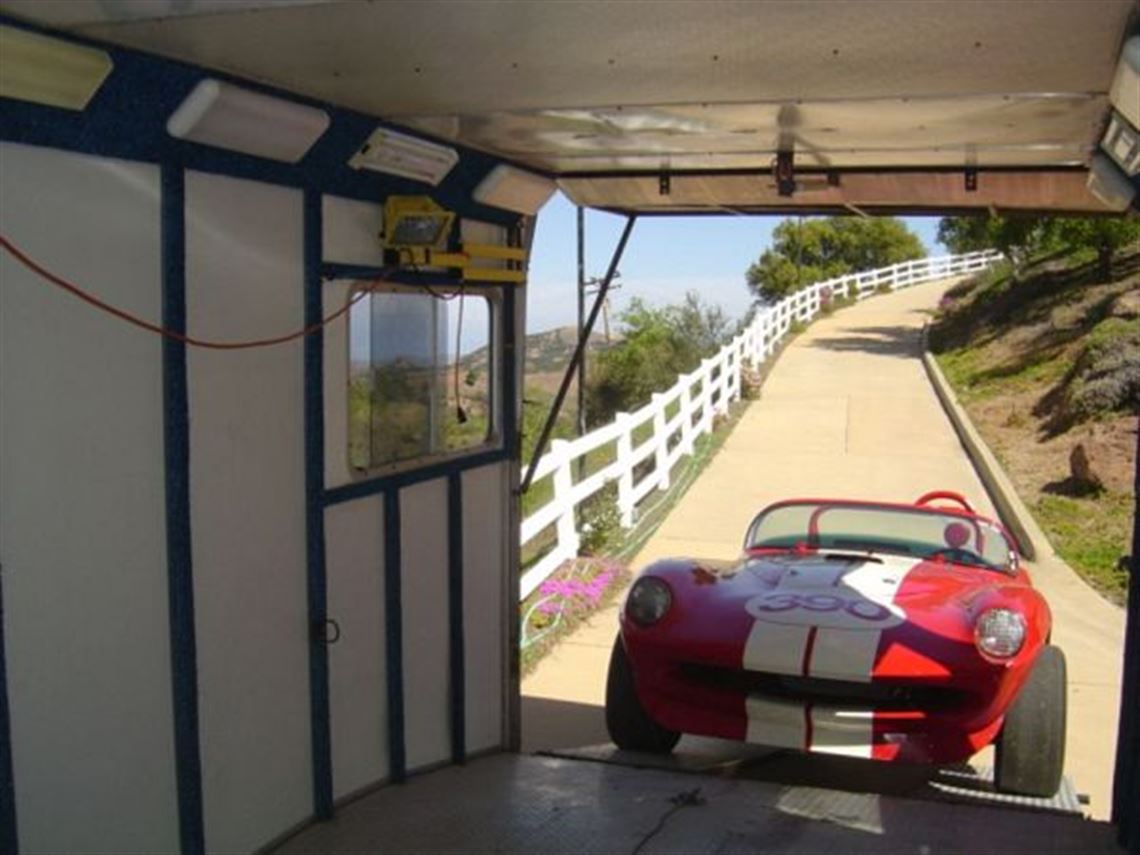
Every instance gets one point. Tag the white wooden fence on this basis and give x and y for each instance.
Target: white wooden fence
(693, 401)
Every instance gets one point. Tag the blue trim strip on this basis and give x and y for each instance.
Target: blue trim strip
(508, 381)
(113, 125)
(319, 719)
(9, 839)
(336, 270)
(394, 629)
(179, 559)
(456, 639)
(363, 489)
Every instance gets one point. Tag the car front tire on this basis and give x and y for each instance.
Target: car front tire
(1030, 750)
(629, 724)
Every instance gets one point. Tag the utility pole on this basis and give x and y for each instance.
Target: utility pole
(581, 318)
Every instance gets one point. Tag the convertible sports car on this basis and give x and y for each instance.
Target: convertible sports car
(888, 631)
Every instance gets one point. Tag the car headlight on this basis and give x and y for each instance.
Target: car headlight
(999, 633)
(649, 599)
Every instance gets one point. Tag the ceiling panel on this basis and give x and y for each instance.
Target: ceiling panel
(73, 13)
(979, 130)
(578, 87)
(413, 58)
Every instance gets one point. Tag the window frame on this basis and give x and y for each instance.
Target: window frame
(493, 295)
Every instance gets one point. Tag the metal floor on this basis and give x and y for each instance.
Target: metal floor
(969, 783)
(537, 804)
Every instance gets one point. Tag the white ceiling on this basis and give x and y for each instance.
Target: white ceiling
(586, 87)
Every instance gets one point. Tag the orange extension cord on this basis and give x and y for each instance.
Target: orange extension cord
(76, 291)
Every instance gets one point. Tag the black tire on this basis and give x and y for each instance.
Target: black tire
(1030, 750)
(629, 724)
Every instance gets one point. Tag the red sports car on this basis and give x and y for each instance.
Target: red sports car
(889, 631)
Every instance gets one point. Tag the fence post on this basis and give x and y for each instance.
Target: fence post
(563, 487)
(702, 403)
(625, 470)
(687, 413)
(661, 450)
(733, 390)
(707, 389)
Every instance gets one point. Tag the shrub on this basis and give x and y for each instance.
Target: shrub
(658, 344)
(1106, 375)
(599, 521)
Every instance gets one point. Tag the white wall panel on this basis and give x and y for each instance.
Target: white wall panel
(484, 602)
(351, 231)
(82, 524)
(423, 544)
(358, 681)
(244, 281)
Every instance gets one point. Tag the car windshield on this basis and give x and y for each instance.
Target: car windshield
(854, 527)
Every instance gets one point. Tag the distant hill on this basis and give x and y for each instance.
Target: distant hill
(551, 350)
(547, 354)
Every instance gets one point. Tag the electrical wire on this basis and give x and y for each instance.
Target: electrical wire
(683, 799)
(460, 413)
(73, 289)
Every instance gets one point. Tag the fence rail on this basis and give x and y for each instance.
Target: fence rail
(695, 399)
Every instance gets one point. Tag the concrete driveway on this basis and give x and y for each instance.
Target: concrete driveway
(847, 411)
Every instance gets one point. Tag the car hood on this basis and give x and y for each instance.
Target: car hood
(835, 616)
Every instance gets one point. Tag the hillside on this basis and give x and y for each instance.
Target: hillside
(1045, 364)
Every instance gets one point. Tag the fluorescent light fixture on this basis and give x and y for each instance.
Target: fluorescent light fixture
(1109, 184)
(1121, 142)
(1125, 91)
(49, 71)
(409, 157)
(514, 190)
(227, 116)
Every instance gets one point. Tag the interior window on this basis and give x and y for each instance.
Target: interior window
(420, 375)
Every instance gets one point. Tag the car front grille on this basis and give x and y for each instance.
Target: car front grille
(882, 695)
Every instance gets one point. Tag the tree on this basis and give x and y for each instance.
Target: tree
(1017, 238)
(658, 344)
(805, 252)
(967, 234)
(1104, 234)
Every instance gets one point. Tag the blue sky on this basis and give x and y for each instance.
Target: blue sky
(665, 257)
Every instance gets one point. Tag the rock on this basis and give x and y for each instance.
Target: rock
(1085, 477)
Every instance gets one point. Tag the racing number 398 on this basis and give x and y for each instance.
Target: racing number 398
(862, 609)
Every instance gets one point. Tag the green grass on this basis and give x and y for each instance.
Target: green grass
(975, 378)
(1088, 534)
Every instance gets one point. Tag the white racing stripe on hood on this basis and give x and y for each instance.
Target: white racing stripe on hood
(844, 640)
(849, 606)
(775, 648)
(849, 654)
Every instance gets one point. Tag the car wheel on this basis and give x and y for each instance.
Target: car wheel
(1030, 750)
(629, 724)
